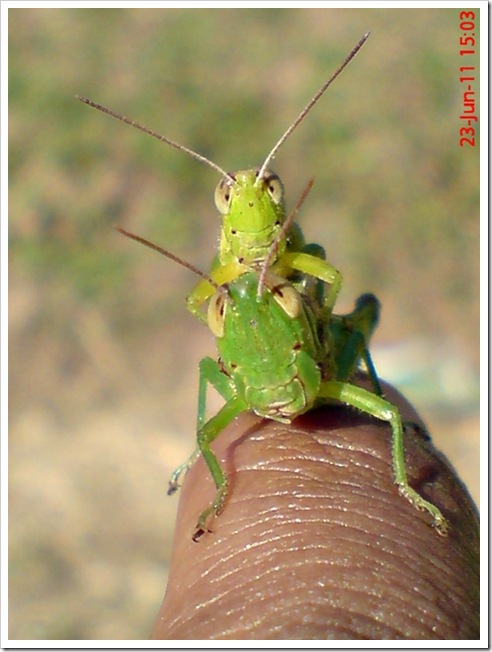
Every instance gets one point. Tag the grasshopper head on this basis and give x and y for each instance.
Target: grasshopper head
(252, 214)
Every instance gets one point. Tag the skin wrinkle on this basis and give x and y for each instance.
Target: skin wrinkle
(345, 586)
(261, 556)
(316, 441)
(308, 618)
(277, 538)
(290, 520)
(252, 546)
(263, 514)
(322, 462)
(306, 475)
(298, 494)
(273, 570)
(243, 587)
(245, 626)
(225, 593)
(270, 609)
(373, 615)
(344, 445)
(231, 629)
(349, 589)
(351, 614)
(303, 472)
(339, 489)
(381, 563)
(258, 559)
(285, 521)
(248, 587)
(280, 460)
(445, 574)
(268, 500)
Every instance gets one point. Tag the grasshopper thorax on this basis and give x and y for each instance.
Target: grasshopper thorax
(241, 297)
(267, 345)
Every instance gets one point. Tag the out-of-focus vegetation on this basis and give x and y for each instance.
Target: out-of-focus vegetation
(103, 356)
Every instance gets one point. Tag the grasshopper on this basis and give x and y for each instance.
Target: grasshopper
(251, 204)
(279, 360)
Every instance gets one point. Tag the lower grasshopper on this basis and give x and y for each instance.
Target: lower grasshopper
(279, 359)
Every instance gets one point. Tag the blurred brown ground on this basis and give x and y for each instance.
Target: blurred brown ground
(103, 356)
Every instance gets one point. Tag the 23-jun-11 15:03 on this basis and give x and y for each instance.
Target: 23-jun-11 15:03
(467, 77)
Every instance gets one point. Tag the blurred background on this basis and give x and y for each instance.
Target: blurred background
(103, 355)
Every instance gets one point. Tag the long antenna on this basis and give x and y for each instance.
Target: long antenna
(168, 254)
(154, 134)
(308, 107)
(280, 235)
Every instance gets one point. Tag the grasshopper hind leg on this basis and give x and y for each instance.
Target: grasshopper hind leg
(380, 408)
(349, 335)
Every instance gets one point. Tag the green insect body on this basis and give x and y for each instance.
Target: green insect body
(277, 360)
(248, 351)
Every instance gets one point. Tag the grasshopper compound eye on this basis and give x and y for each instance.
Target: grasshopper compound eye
(273, 185)
(216, 314)
(288, 298)
(222, 195)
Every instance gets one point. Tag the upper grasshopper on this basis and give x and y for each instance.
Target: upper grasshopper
(252, 207)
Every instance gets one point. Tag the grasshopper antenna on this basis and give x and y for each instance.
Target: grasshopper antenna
(280, 236)
(172, 256)
(154, 134)
(308, 107)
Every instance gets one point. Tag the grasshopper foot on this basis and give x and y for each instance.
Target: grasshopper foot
(182, 468)
(199, 532)
(174, 481)
(201, 528)
(210, 513)
(439, 522)
(172, 488)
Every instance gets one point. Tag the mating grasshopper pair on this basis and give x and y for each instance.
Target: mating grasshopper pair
(282, 350)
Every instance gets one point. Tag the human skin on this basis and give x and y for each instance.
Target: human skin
(314, 541)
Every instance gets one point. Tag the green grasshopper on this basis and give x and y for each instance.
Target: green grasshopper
(279, 360)
(251, 203)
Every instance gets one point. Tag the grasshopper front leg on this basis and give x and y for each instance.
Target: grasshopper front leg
(315, 266)
(203, 291)
(210, 373)
(206, 436)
